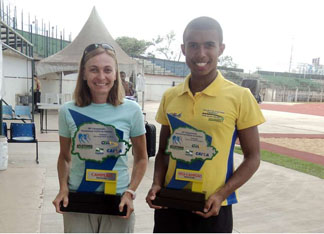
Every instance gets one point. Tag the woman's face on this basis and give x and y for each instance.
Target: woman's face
(100, 74)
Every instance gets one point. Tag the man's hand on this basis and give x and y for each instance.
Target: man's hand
(151, 195)
(212, 206)
(63, 195)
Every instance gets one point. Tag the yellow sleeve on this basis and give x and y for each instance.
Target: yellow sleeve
(249, 113)
(161, 116)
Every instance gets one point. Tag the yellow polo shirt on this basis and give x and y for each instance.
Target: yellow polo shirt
(219, 111)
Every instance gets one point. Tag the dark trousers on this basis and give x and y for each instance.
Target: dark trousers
(172, 220)
(37, 97)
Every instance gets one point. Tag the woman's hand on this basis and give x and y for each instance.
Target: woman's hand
(62, 196)
(128, 201)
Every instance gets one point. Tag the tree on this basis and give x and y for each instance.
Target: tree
(164, 45)
(133, 46)
(226, 61)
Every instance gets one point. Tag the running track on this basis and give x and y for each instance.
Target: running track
(300, 108)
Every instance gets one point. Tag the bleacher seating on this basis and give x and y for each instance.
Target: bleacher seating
(165, 67)
(173, 68)
(7, 112)
(19, 113)
(22, 113)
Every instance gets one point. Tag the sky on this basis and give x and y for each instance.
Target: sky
(272, 35)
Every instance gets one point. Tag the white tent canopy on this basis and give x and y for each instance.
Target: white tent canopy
(67, 60)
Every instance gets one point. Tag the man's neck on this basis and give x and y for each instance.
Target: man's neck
(199, 83)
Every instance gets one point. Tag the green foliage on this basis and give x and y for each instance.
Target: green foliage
(289, 162)
(133, 46)
(164, 45)
(226, 61)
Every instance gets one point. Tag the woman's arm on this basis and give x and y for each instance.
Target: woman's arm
(63, 169)
(139, 168)
(140, 161)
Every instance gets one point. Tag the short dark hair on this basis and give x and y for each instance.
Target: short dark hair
(205, 23)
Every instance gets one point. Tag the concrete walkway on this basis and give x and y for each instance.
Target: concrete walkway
(275, 200)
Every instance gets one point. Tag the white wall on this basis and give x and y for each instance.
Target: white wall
(1, 74)
(17, 73)
(155, 85)
(69, 83)
(51, 84)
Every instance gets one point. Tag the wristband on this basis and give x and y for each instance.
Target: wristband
(133, 193)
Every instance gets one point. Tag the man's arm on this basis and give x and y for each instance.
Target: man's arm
(160, 166)
(250, 144)
(131, 88)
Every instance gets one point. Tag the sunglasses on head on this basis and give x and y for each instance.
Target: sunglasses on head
(94, 46)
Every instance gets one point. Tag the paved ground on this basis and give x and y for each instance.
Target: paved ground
(275, 200)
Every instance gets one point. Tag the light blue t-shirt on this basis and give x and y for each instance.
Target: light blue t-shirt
(123, 121)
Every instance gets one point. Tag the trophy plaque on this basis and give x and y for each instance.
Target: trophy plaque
(190, 148)
(97, 203)
(99, 145)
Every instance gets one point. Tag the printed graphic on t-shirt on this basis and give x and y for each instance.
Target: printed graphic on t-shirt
(95, 141)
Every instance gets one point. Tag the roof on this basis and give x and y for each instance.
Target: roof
(67, 60)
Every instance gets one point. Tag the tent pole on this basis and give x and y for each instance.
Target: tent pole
(61, 81)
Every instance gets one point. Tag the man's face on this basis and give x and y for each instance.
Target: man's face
(202, 49)
(122, 75)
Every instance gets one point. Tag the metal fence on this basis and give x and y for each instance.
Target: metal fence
(291, 95)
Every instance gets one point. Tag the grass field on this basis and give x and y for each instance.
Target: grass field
(289, 162)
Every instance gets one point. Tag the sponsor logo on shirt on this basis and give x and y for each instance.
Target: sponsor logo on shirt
(213, 115)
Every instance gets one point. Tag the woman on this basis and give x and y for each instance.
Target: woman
(99, 113)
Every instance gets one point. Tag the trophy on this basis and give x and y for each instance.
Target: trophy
(190, 148)
(97, 203)
(99, 145)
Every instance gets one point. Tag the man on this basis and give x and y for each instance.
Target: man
(222, 110)
(128, 86)
(37, 92)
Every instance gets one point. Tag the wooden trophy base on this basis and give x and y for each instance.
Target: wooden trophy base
(94, 203)
(180, 199)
